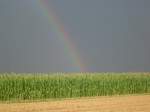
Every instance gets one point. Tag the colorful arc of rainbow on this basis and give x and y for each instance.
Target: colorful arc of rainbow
(63, 35)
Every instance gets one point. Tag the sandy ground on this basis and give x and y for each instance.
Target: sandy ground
(134, 103)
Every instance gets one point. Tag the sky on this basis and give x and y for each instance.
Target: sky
(108, 35)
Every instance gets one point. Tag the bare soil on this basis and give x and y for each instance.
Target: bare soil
(133, 103)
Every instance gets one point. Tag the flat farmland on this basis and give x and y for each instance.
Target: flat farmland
(125, 103)
(18, 87)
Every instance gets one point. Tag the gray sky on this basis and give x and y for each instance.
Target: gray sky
(110, 36)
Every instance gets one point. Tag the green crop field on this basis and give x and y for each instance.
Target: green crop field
(69, 85)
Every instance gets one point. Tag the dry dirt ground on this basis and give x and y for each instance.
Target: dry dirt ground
(133, 103)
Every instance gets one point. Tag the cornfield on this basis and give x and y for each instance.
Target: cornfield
(39, 86)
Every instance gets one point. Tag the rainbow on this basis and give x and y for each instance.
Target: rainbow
(61, 32)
